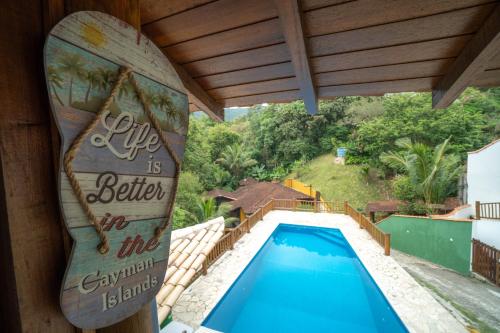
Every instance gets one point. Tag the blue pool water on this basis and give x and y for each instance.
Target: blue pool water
(304, 279)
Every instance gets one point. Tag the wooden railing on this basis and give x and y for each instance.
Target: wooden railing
(486, 261)
(488, 210)
(384, 239)
(232, 235)
(309, 205)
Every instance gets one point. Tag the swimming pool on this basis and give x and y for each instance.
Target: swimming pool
(304, 279)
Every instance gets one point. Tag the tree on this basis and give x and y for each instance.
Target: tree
(433, 172)
(236, 160)
(55, 81)
(73, 65)
(208, 209)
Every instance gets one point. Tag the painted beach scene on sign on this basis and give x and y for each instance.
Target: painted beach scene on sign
(124, 162)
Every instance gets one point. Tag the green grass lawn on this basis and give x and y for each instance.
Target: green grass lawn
(342, 182)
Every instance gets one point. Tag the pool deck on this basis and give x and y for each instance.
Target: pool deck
(415, 306)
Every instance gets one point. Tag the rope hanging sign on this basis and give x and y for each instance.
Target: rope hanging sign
(122, 114)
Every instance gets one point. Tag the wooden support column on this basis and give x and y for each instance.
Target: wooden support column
(472, 61)
(291, 23)
(32, 257)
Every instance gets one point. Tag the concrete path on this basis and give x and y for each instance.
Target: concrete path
(472, 301)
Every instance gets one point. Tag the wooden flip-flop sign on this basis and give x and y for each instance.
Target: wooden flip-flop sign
(122, 114)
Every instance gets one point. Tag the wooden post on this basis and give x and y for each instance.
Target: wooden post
(478, 210)
(387, 244)
(345, 206)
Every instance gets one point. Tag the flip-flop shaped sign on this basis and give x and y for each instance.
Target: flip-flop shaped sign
(122, 114)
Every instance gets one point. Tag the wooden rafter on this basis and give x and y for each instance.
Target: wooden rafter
(291, 23)
(470, 63)
(197, 95)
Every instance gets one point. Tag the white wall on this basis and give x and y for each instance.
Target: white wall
(483, 184)
(487, 231)
(483, 174)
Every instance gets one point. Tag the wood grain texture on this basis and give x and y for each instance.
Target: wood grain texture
(385, 73)
(152, 10)
(29, 231)
(114, 185)
(240, 60)
(141, 57)
(460, 22)
(364, 13)
(75, 217)
(199, 96)
(247, 37)
(255, 88)
(488, 78)
(291, 24)
(407, 53)
(250, 75)
(378, 88)
(217, 16)
(472, 60)
(275, 97)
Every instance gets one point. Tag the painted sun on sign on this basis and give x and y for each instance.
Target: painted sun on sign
(122, 114)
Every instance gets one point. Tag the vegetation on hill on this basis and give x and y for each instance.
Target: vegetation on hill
(337, 182)
(271, 142)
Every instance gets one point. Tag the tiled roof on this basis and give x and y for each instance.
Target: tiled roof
(188, 249)
(253, 194)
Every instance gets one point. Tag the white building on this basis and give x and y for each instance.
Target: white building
(483, 184)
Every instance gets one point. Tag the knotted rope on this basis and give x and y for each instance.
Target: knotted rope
(70, 155)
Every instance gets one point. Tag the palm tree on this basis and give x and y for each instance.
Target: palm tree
(55, 81)
(208, 209)
(236, 160)
(73, 65)
(432, 171)
(94, 81)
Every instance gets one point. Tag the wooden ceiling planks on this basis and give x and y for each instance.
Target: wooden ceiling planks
(272, 97)
(254, 88)
(250, 75)
(236, 51)
(378, 88)
(247, 37)
(460, 22)
(241, 60)
(407, 53)
(152, 10)
(385, 73)
(365, 13)
(213, 17)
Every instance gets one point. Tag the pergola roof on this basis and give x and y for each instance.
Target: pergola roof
(245, 52)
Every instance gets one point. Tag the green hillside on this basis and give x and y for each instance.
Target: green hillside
(342, 182)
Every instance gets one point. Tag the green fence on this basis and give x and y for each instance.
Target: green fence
(444, 242)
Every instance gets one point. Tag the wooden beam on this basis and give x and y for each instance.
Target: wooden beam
(197, 95)
(291, 23)
(472, 61)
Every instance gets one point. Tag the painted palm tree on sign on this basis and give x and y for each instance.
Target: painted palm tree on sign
(432, 171)
(74, 66)
(166, 105)
(93, 79)
(55, 81)
(236, 160)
